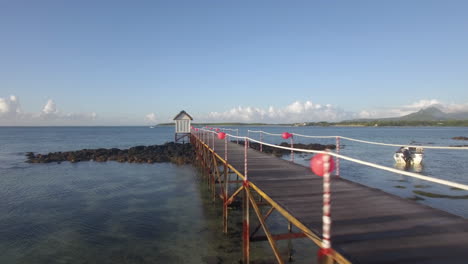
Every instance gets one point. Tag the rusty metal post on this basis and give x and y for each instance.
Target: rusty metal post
(261, 139)
(245, 222)
(246, 227)
(326, 227)
(246, 142)
(337, 159)
(226, 139)
(290, 246)
(225, 196)
(292, 146)
(212, 169)
(214, 175)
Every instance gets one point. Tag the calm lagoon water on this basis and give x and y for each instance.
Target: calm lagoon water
(161, 213)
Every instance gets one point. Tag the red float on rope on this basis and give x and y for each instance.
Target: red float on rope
(217, 130)
(316, 164)
(286, 135)
(322, 253)
(221, 135)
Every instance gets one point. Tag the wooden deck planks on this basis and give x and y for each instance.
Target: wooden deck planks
(369, 225)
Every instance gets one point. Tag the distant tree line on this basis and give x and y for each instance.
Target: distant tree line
(346, 123)
(392, 123)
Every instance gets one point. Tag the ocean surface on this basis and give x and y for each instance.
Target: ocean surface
(111, 212)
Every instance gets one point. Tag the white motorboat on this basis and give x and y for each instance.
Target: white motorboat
(409, 155)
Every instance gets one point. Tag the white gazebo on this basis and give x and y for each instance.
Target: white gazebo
(182, 125)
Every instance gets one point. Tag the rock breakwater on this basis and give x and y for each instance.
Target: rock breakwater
(169, 152)
(460, 138)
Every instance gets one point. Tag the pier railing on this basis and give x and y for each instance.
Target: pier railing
(204, 139)
(359, 140)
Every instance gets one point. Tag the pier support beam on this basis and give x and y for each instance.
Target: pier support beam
(265, 229)
(245, 226)
(225, 197)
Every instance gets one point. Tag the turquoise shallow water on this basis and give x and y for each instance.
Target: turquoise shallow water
(161, 213)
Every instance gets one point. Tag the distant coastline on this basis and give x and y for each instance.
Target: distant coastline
(229, 124)
(373, 123)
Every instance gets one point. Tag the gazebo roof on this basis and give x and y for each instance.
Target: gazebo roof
(181, 114)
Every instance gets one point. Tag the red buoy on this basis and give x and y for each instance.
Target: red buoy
(221, 135)
(217, 130)
(196, 129)
(316, 164)
(286, 135)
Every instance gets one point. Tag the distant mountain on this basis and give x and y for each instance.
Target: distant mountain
(427, 114)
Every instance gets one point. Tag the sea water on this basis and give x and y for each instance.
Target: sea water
(111, 212)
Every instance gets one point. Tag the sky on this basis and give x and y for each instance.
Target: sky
(141, 62)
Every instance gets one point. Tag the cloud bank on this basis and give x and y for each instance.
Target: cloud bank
(413, 107)
(296, 112)
(308, 111)
(11, 114)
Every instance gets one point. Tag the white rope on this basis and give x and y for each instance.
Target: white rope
(369, 164)
(366, 163)
(371, 142)
(266, 133)
(399, 145)
(307, 136)
(229, 129)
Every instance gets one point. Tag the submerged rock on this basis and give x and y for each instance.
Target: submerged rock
(460, 138)
(169, 152)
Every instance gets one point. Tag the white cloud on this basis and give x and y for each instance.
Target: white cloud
(79, 116)
(424, 103)
(454, 108)
(11, 114)
(50, 108)
(150, 118)
(10, 107)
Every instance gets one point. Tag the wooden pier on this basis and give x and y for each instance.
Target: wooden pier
(369, 225)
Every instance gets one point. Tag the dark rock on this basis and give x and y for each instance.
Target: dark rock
(169, 152)
(460, 138)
